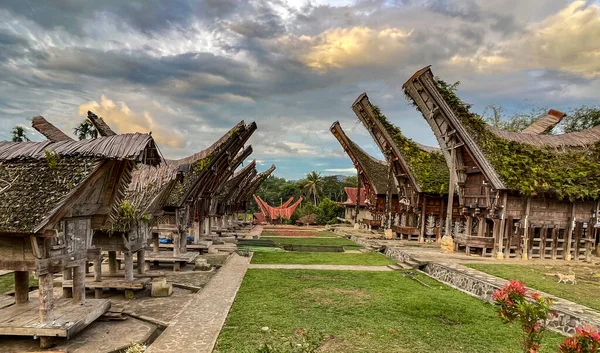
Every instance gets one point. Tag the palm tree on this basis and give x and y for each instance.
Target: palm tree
(85, 130)
(18, 134)
(314, 184)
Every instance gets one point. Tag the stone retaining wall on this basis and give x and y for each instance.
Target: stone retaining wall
(565, 317)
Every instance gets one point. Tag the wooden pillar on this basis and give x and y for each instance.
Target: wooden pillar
(525, 225)
(112, 262)
(500, 233)
(218, 222)
(422, 225)
(387, 220)
(79, 284)
(207, 226)
(155, 243)
(68, 275)
(451, 186)
(569, 234)
(141, 261)
(176, 244)
(21, 287)
(46, 307)
(468, 225)
(128, 265)
(554, 243)
(357, 207)
(543, 237)
(183, 242)
(98, 276)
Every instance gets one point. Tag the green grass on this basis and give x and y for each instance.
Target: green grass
(367, 312)
(584, 292)
(7, 282)
(347, 244)
(322, 258)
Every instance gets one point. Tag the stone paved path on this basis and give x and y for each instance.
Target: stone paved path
(197, 326)
(321, 267)
(256, 230)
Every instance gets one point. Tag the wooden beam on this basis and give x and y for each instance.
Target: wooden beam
(79, 284)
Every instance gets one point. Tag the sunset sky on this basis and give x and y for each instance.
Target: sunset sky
(189, 70)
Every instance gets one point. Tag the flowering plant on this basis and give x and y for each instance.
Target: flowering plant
(513, 304)
(586, 340)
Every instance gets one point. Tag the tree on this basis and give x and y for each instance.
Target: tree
(85, 130)
(314, 185)
(19, 135)
(581, 118)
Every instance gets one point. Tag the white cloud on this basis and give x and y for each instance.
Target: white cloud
(341, 170)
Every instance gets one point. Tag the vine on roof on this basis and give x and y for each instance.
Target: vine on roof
(570, 174)
(429, 168)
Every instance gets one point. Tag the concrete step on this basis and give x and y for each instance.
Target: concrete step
(396, 267)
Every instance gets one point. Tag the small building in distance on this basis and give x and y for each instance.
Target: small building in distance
(350, 205)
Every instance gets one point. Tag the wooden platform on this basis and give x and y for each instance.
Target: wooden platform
(112, 283)
(6, 300)
(23, 319)
(165, 257)
(200, 247)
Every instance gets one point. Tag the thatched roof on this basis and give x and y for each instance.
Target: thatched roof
(374, 170)
(565, 166)
(102, 128)
(50, 131)
(38, 178)
(545, 123)
(136, 147)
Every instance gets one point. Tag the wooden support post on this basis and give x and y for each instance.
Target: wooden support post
(589, 239)
(176, 244)
(496, 234)
(176, 266)
(79, 284)
(357, 206)
(68, 275)
(554, 243)
(46, 307)
(207, 229)
(543, 237)
(155, 243)
(218, 222)
(183, 242)
(128, 256)
(112, 262)
(569, 234)
(141, 261)
(422, 225)
(196, 231)
(525, 226)
(21, 287)
(508, 233)
(577, 243)
(500, 233)
(98, 269)
(387, 223)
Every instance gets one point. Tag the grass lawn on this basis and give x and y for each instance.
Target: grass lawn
(7, 282)
(367, 312)
(347, 244)
(322, 258)
(584, 292)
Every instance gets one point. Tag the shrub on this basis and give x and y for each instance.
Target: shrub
(513, 304)
(586, 340)
(303, 343)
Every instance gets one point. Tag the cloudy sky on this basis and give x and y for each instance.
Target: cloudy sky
(189, 70)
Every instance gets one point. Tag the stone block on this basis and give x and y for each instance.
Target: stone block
(202, 265)
(160, 288)
(389, 234)
(213, 249)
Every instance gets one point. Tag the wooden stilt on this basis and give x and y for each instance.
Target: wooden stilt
(68, 275)
(128, 256)
(79, 284)
(554, 243)
(155, 243)
(98, 269)
(21, 287)
(46, 299)
(112, 262)
(141, 261)
(526, 244)
(176, 244)
(422, 225)
(569, 234)
(500, 233)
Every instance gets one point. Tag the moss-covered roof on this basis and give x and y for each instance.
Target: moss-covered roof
(566, 166)
(426, 164)
(33, 188)
(375, 170)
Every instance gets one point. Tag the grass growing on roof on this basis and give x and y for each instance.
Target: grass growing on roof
(534, 276)
(568, 174)
(367, 312)
(347, 244)
(429, 168)
(322, 258)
